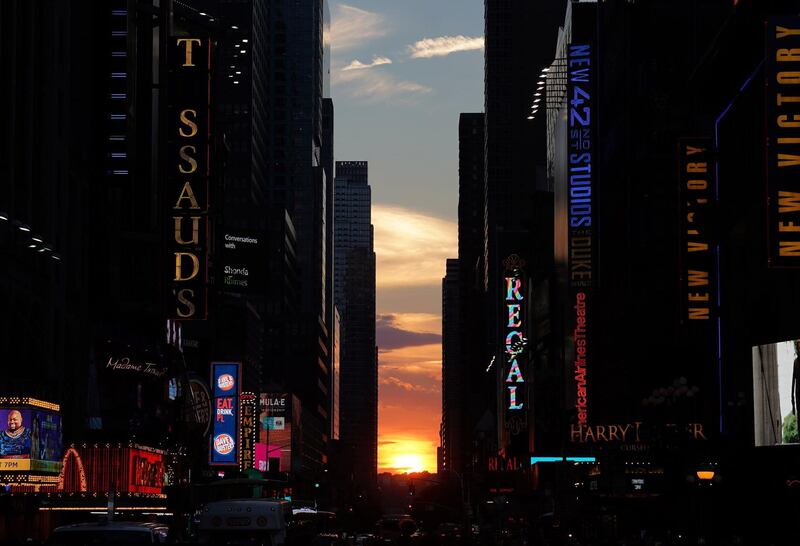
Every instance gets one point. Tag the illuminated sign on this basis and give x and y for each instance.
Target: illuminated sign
(783, 141)
(515, 341)
(132, 469)
(582, 197)
(248, 411)
(273, 451)
(145, 471)
(226, 381)
(506, 464)
(187, 163)
(30, 439)
(635, 432)
(696, 199)
(242, 257)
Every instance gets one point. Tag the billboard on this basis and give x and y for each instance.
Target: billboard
(31, 434)
(242, 257)
(775, 393)
(224, 441)
(783, 141)
(187, 163)
(274, 447)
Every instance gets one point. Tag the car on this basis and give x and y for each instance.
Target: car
(109, 532)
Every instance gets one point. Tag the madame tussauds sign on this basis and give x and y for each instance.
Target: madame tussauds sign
(187, 168)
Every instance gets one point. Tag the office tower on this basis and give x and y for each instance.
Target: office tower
(354, 295)
(453, 394)
(519, 42)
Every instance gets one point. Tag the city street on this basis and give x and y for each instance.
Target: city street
(381, 272)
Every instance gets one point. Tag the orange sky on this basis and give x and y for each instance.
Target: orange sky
(408, 334)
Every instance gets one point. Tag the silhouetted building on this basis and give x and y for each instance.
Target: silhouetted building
(518, 44)
(354, 295)
(454, 418)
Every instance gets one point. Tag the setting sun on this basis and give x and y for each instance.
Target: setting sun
(409, 462)
(406, 455)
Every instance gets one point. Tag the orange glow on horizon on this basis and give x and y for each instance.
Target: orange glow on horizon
(406, 455)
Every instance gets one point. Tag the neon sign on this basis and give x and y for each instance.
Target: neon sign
(582, 243)
(515, 341)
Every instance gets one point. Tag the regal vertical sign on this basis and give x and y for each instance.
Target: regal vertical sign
(582, 244)
(515, 344)
(187, 178)
(783, 141)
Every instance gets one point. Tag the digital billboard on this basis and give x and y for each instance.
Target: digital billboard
(242, 257)
(30, 434)
(776, 367)
(274, 447)
(30, 441)
(224, 441)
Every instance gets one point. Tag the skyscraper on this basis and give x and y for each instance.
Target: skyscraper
(453, 399)
(519, 37)
(354, 295)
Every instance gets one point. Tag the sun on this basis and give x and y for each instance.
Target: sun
(408, 462)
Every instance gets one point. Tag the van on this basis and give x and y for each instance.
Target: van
(109, 532)
(257, 522)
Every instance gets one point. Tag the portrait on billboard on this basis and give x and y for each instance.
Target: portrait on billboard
(15, 440)
(776, 372)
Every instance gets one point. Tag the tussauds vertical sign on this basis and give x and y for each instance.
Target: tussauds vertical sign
(783, 141)
(187, 178)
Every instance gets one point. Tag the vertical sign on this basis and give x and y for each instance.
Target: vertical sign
(187, 177)
(515, 342)
(783, 141)
(248, 430)
(582, 197)
(225, 378)
(698, 257)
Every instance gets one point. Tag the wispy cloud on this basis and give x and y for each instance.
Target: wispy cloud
(353, 26)
(376, 86)
(376, 61)
(390, 334)
(400, 233)
(418, 363)
(444, 45)
(407, 386)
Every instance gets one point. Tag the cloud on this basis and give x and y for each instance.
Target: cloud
(401, 233)
(376, 61)
(406, 386)
(423, 361)
(376, 86)
(391, 335)
(443, 46)
(351, 27)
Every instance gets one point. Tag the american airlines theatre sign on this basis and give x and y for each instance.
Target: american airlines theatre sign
(187, 178)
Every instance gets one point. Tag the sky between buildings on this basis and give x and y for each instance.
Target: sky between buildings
(401, 73)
